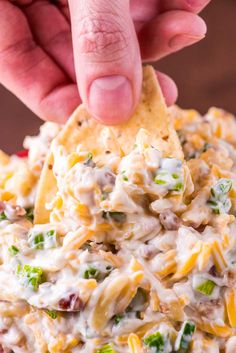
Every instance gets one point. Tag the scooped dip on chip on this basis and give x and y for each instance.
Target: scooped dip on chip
(121, 239)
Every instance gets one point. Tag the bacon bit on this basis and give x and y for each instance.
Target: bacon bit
(3, 332)
(169, 220)
(19, 211)
(213, 271)
(201, 228)
(22, 154)
(148, 251)
(164, 308)
(230, 278)
(111, 178)
(2, 209)
(71, 303)
(106, 180)
(207, 309)
(13, 212)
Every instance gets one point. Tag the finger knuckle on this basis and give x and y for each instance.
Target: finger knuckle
(102, 39)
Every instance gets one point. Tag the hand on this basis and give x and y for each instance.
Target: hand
(110, 40)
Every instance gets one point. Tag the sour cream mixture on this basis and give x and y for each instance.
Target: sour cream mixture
(139, 255)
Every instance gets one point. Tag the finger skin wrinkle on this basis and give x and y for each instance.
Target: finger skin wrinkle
(16, 53)
(34, 59)
(59, 38)
(19, 51)
(101, 37)
(53, 33)
(27, 69)
(23, 46)
(11, 18)
(53, 89)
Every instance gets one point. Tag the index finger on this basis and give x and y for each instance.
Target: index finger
(29, 73)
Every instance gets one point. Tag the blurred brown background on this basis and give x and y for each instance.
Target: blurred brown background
(205, 74)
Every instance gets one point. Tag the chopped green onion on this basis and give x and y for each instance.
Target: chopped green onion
(89, 161)
(30, 276)
(184, 338)
(206, 147)
(170, 174)
(108, 348)
(219, 201)
(90, 155)
(125, 178)
(213, 204)
(51, 233)
(118, 217)
(51, 240)
(118, 319)
(219, 207)
(159, 181)
(91, 272)
(52, 313)
(13, 250)
(206, 287)
(3, 216)
(223, 186)
(38, 241)
(178, 187)
(46, 240)
(30, 214)
(175, 176)
(156, 340)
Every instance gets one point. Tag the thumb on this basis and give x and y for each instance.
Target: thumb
(107, 58)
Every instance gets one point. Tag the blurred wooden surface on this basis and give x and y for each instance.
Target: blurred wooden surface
(205, 75)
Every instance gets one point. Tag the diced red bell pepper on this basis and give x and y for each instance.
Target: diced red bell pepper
(22, 154)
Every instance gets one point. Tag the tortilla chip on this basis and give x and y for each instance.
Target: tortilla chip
(151, 115)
